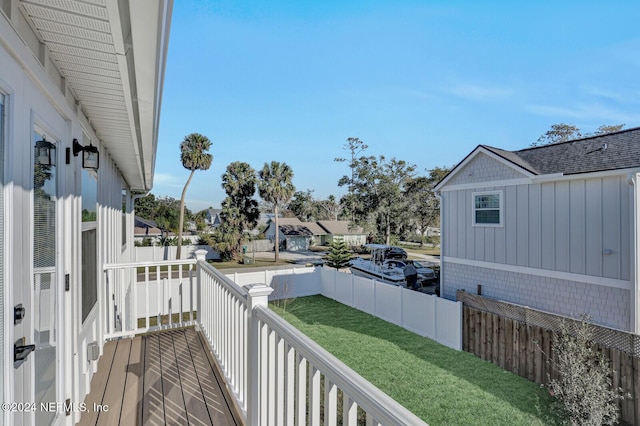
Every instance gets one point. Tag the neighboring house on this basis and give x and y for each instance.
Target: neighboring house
(212, 218)
(301, 235)
(342, 230)
(319, 233)
(555, 227)
(191, 226)
(144, 228)
(294, 235)
(80, 92)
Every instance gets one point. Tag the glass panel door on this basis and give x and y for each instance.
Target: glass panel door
(45, 192)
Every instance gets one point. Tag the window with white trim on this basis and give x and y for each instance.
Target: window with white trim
(487, 208)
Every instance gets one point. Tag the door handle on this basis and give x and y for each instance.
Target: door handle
(18, 314)
(22, 351)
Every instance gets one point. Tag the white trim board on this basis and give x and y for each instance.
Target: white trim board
(557, 177)
(569, 276)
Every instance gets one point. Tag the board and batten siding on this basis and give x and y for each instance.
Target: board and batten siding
(579, 226)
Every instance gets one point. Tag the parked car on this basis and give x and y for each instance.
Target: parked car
(424, 273)
(395, 253)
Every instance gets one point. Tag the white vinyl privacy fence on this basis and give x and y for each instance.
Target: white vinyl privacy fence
(427, 315)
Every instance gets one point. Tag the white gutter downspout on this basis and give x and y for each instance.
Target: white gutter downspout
(634, 181)
(441, 276)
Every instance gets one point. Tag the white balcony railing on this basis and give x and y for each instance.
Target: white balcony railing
(274, 371)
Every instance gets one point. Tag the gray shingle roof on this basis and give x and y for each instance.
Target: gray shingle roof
(340, 227)
(295, 230)
(619, 150)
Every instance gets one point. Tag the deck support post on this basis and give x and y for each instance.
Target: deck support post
(258, 296)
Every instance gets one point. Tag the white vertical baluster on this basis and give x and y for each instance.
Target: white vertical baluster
(159, 290)
(291, 385)
(146, 297)
(314, 396)
(280, 378)
(122, 308)
(349, 411)
(330, 403)
(301, 399)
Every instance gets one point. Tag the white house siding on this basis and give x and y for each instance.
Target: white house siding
(564, 226)
(33, 96)
(608, 306)
(32, 99)
(349, 240)
(483, 168)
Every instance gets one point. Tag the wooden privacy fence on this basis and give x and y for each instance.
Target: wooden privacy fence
(519, 339)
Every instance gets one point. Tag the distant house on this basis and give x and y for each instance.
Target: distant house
(319, 233)
(301, 235)
(555, 227)
(342, 230)
(144, 228)
(212, 218)
(294, 234)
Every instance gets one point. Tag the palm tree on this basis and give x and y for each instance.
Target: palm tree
(275, 187)
(194, 156)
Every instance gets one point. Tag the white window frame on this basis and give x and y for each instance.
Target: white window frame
(500, 195)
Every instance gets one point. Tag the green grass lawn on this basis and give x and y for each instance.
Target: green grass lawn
(433, 251)
(440, 385)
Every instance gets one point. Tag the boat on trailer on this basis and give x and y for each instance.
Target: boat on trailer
(376, 268)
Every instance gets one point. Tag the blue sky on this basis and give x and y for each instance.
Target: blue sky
(420, 81)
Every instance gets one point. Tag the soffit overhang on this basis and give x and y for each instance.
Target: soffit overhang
(112, 55)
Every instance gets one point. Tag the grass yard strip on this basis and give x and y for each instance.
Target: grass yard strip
(440, 385)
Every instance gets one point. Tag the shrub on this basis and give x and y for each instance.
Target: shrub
(583, 390)
(338, 256)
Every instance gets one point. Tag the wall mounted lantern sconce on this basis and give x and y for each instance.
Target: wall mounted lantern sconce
(45, 153)
(90, 155)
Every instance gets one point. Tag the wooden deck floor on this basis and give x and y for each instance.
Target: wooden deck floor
(157, 379)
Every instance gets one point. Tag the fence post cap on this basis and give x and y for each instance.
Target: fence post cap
(256, 290)
(200, 254)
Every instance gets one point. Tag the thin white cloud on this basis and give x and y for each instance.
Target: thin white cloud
(167, 180)
(478, 92)
(592, 112)
(605, 94)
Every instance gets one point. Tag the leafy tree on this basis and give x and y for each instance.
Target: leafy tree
(276, 188)
(88, 216)
(338, 256)
(424, 205)
(167, 213)
(392, 208)
(565, 132)
(194, 156)
(146, 207)
(239, 210)
(604, 129)
(302, 205)
(328, 209)
(308, 209)
(362, 201)
(583, 389)
(378, 201)
(558, 133)
(355, 147)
